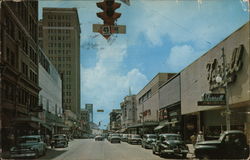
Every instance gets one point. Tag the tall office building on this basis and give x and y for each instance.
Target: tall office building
(59, 36)
(89, 108)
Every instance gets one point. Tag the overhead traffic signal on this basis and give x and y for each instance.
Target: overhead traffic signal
(109, 16)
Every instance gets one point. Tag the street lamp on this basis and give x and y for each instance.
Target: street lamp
(223, 81)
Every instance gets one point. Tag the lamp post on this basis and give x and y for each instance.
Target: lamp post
(223, 80)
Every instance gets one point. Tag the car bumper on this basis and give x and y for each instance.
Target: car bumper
(181, 151)
(16, 155)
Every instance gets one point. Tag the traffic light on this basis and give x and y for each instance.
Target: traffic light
(109, 16)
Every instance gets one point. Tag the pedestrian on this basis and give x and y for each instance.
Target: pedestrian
(200, 137)
(193, 138)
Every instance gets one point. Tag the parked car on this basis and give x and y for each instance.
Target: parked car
(59, 140)
(231, 144)
(99, 138)
(115, 138)
(134, 139)
(28, 146)
(124, 138)
(147, 140)
(170, 144)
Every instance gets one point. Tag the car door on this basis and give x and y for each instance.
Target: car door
(233, 146)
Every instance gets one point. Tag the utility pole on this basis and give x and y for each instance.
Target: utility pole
(227, 112)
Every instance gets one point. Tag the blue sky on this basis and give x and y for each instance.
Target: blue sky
(162, 36)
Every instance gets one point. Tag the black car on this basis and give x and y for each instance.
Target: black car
(231, 145)
(170, 144)
(147, 140)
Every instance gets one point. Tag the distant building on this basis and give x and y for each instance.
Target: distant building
(128, 109)
(59, 37)
(148, 105)
(115, 119)
(84, 120)
(89, 107)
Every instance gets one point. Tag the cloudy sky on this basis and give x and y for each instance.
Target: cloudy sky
(162, 36)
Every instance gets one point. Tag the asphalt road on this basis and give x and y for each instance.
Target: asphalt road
(88, 149)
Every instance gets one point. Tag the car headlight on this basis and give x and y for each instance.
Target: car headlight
(32, 148)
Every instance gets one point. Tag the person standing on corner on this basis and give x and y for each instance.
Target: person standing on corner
(200, 137)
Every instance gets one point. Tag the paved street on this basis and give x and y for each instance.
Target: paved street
(88, 149)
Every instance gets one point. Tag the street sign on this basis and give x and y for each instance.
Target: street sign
(100, 110)
(108, 30)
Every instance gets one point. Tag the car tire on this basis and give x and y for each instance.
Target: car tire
(160, 153)
(184, 156)
(205, 157)
(37, 154)
(153, 149)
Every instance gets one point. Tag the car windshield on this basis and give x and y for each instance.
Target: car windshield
(27, 140)
(136, 136)
(152, 136)
(173, 137)
(59, 137)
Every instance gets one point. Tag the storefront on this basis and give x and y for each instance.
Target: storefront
(170, 107)
(208, 76)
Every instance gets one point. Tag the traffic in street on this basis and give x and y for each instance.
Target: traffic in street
(89, 149)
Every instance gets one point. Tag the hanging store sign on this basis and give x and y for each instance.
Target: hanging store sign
(215, 69)
(210, 99)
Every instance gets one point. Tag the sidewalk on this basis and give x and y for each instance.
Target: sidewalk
(191, 151)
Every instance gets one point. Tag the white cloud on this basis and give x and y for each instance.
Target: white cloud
(105, 84)
(204, 25)
(181, 56)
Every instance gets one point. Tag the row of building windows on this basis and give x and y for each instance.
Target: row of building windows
(59, 17)
(59, 38)
(67, 93)
(63, 65)
(60, 59)
(145, 97)
(64, 45)
(59, 51)
(67, 86)
(44, 62)
(59, 24)
(31, 75)
(33, 55)
(67, 31)
(11, 57)
(11, 93)
(67, 100)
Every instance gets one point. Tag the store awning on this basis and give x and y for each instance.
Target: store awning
(123, 130)
(158, 127)
(46, 126)
(163, 124)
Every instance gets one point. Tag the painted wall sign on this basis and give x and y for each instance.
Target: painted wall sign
(231, 69)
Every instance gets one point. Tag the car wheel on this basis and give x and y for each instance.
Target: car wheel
(184, 156)
(205, 157)
(160, 153)
(37, 154)
(153, 149)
